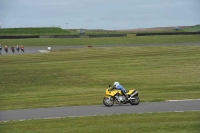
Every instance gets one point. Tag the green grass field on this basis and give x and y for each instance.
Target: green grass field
(184, 122)
(80, 76)
(101, 41)
(33, 31)
(192, 29)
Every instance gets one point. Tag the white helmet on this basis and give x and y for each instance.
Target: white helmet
(116, 83)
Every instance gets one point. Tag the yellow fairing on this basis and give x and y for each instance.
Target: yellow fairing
(130, 92)
(111, 93)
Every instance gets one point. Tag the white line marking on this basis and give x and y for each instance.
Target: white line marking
(43, 51)
(183, 100)
(179, 111)
(53, 118)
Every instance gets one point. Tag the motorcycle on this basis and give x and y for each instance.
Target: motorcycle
(22, 49)
(17, 49)
(6, 50)
(116, 96)
(13, 49)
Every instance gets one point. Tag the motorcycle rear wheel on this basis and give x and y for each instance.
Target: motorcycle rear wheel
(136, 101)
(108, 102)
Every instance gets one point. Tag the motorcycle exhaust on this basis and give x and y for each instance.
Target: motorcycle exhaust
(132, 98)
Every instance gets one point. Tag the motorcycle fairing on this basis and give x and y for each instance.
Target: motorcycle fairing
(112, 93)
(130, 92)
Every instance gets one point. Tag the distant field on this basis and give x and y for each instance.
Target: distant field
(165, 29)
(191, 29)
(33, 31)
(59, 31)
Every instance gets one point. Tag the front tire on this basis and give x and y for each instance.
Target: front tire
(136, 101)
(108, 102)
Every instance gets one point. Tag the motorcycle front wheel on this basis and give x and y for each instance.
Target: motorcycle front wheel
(108, 102)
(135, 101)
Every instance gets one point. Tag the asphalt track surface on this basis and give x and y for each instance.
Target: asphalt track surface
(75, 111)
(40, 49)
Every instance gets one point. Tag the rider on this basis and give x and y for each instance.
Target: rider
(0, 47)
(21, 47)
(17, 47)
(117, 86)
(12, 48)
(5, 47)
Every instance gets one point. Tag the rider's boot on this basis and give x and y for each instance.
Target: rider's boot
(126, 97)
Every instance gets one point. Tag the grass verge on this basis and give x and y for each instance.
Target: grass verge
(182, 122)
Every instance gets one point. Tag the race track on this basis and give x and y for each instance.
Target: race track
(49, 113)
(41, 49)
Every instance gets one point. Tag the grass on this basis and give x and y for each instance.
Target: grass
(33, 31)
(192, 29)
(59, 31)
(182, 122)
(101, 41)
(80, 76)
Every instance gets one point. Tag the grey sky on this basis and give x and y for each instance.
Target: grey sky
(99, 14)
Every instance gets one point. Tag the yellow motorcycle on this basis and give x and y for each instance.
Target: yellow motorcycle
(116, 96)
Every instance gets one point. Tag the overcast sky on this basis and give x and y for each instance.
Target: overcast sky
(99, 14)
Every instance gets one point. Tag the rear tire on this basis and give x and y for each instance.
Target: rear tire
(136, 101)
(108, 102)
